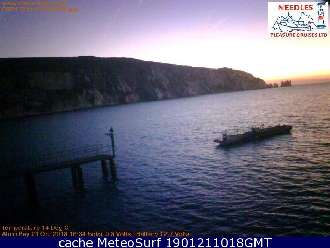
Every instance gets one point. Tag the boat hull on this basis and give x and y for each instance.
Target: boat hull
(254, 135)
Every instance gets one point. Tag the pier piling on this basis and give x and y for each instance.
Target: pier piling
(74, 175)
(113, 169)
(77, 178)
(112, 139)
(31, 189)
(80, 179)
(105, 169)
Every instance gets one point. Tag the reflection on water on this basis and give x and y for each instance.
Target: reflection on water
(171, 175)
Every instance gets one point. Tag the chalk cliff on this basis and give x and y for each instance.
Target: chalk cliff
(31, 86)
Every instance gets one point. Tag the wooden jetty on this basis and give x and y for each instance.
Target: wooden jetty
(73, 159)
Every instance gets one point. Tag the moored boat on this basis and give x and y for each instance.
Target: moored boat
(256, 133)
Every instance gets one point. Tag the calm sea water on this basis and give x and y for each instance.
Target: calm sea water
(171, 174)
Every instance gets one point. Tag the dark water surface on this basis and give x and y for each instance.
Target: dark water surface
(172, 176)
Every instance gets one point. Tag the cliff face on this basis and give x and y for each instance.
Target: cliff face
(30, 86)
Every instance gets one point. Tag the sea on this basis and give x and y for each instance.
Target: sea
(172, 176)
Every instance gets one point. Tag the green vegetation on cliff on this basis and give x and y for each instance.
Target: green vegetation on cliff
(31, 86)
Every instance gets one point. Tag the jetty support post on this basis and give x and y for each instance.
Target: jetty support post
(77, 178)
(81, 186)
(113, 169)
(105, 170)
(31, 190)
(112, 143)
(74, 175)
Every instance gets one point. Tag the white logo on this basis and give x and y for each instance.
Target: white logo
(298, 19)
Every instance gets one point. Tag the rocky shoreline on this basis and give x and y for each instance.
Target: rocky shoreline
(35, 86)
